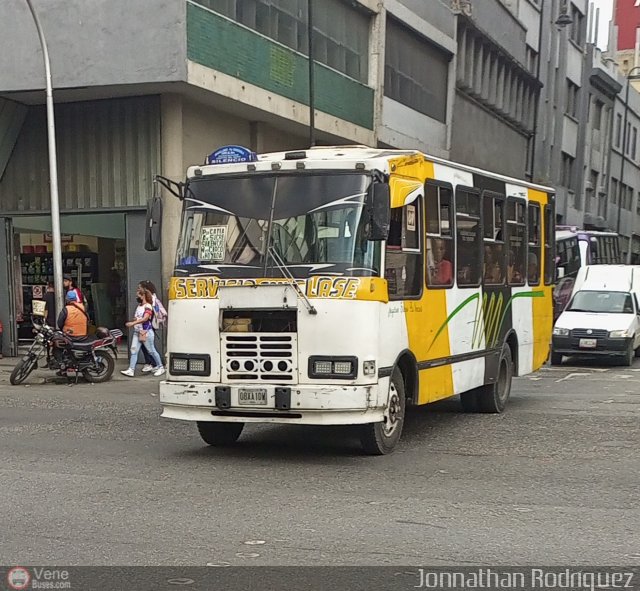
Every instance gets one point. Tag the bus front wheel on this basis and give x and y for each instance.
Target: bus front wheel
(381, 438)
(219, 433)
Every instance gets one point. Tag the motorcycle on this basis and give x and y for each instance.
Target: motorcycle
(90, 356)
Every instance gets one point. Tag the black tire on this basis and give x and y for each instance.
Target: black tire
(493, 398)
(21, 371)
(556, 358)
(469, 400)
(106, 364)
(213, 433)
(629, 355)
(381, 438)
(638, 352)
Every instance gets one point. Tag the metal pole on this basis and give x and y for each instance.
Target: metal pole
(53, 168)
(312, 109)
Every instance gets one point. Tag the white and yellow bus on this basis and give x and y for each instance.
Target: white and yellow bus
(339, 285)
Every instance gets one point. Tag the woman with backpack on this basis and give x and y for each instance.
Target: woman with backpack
(143, 333)
(158, 320)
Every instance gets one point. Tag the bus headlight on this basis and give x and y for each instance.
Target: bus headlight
(333, 367)
(181, 364)
(561, 332)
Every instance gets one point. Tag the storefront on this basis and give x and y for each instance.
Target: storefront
(108, 152)
(94, 254)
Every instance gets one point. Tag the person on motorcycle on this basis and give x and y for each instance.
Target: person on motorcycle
(72, 320)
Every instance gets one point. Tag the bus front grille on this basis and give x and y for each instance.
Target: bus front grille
(259, 357)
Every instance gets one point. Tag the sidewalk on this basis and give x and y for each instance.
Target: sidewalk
(46, 376)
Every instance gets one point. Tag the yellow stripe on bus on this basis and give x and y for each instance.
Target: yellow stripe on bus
(425, 316)
(542, 307)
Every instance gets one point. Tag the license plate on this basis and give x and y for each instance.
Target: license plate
(252, 397)
(588, 343)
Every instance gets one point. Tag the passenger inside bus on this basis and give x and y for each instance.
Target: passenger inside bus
(532, 271)
(440, 267)
(514, 270)
(493, 264)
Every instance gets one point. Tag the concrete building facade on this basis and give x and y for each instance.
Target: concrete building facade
(134, 101)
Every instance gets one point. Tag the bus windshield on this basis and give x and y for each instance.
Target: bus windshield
(314, 223)
(605, 302)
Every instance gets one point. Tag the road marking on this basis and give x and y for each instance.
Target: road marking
(572, 375)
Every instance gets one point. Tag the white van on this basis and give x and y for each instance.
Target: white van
(602, 317)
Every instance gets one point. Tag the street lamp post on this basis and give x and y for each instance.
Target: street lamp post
(622, 163)
(312, 113)
(53, 167)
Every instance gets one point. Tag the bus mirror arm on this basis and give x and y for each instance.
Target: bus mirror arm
(177, 189)
(379, 212)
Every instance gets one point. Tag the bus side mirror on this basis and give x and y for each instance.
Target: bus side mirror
(153, 224)
(379, 210)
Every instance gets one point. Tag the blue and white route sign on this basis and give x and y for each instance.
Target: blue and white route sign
(230, 154)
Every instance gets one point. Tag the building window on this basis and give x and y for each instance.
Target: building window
(532, 60)
(575, 33)
(614, 191)
(634, 141)
(597, 115)
(341, 31)
(571, 106)
(416, 72)
(618, 130)
(566, 173)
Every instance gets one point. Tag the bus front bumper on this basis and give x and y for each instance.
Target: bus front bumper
(300, 404)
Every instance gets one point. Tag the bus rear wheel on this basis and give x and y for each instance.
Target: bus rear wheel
(381, 438)
(213, 433)
(492, 398)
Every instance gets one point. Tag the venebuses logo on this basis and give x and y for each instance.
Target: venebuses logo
(18, 578)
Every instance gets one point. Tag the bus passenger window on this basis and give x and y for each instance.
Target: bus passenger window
(439, 239)
(549, 233)
(494, 251)
(403, 268)
(516, 230)
(468, 237)
(533, 257)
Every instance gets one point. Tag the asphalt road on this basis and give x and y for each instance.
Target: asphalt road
(90, 475)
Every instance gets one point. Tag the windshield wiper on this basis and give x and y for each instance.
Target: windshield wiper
(290, 278)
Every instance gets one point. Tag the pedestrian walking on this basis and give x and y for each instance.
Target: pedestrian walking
(143, 333)
(158, 321)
